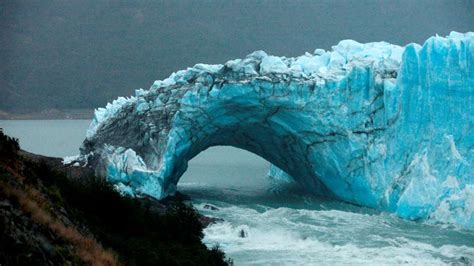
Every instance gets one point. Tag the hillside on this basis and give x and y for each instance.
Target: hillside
(48, 218)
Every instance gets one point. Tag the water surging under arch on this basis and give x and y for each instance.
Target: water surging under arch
(374, 124)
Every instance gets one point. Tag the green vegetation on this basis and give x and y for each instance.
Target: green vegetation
(140, 236)
(8, 146)
(139, 231)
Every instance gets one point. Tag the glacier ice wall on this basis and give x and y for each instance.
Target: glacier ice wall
(373, 124)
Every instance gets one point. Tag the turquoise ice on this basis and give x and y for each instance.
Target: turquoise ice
(374, 124)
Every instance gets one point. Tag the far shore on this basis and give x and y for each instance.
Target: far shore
(48, 114)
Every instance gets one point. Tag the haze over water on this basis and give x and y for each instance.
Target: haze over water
(280, 222)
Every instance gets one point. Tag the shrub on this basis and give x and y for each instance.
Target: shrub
(140, 236)
(9, 146)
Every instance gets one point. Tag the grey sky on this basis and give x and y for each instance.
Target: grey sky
(80, 54)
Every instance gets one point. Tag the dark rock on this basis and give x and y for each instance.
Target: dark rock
(152, 205)
(5, 204)
(52, 162)
(45, 245)
(206, 220)
(177, 196)
(465, 260)
(211, 207)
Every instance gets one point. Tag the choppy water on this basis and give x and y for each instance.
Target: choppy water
(282, 224)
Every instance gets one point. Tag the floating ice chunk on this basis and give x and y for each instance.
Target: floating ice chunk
(70, 159)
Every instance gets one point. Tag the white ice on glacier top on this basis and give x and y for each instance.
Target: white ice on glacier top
(381, 125)
(320, 65)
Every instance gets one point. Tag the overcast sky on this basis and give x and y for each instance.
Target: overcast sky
(80, 54)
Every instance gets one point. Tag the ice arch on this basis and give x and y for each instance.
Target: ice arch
(374, 124)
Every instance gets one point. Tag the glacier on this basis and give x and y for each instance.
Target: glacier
(375, 124)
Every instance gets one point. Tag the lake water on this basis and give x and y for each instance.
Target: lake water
(282, 224)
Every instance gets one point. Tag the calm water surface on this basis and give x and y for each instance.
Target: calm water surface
(282, 224)
(56, 138)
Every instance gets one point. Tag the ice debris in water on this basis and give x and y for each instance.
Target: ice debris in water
(374, 124)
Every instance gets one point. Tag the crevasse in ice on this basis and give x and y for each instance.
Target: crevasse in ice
(373, 124)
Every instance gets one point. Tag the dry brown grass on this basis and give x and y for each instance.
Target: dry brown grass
(33, 203)
(11, 170)
(37, 197)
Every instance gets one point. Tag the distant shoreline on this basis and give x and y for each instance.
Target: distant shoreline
(49, 114)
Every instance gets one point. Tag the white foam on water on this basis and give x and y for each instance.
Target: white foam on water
(286, 236)
(284, 226)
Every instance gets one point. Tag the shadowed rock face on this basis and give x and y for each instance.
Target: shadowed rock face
(374, 124)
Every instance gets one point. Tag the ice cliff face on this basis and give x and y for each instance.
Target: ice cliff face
(373, 124)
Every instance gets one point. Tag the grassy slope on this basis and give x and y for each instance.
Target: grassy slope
(50, 219)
